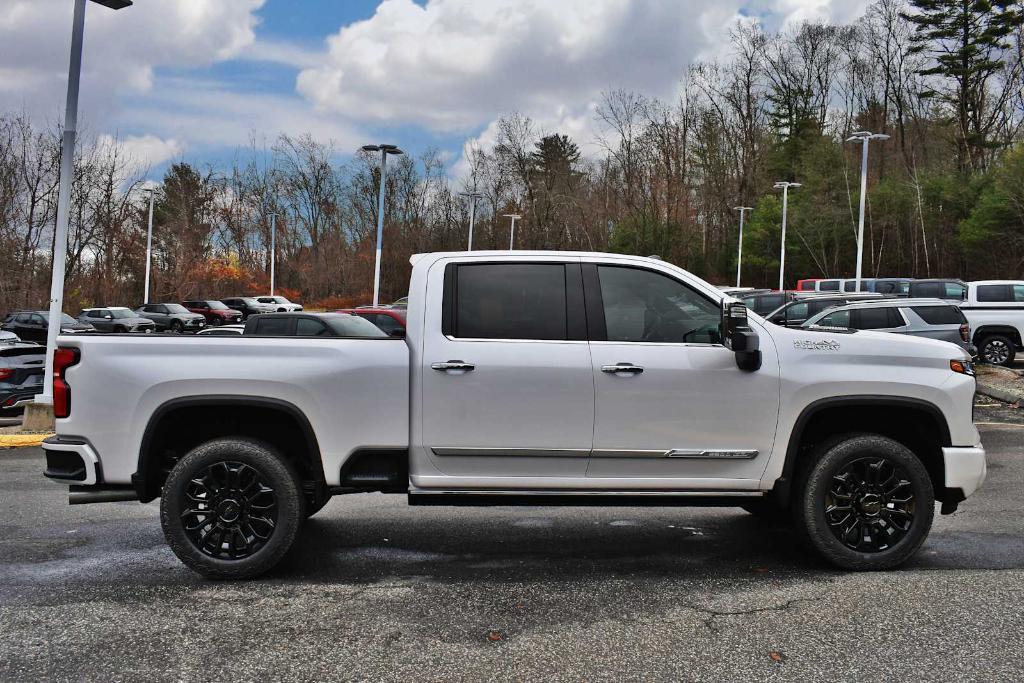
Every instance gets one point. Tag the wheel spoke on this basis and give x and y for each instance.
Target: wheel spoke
(869, 506)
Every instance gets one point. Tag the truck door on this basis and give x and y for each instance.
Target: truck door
(672, 408)
(507, 387)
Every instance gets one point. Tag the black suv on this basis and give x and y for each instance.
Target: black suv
(22, 365)
(173, 317)
(311, 325)
(32, 325)
(248, 306)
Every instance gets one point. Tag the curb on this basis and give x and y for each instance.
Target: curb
(998, 394)
(22, 440)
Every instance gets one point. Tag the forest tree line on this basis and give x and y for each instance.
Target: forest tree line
(943, 78)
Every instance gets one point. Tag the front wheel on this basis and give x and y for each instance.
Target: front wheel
(864, 502)
(231, 508)
(216, 321)
(177, 326)
(997, 350)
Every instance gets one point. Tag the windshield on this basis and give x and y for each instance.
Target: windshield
(249, 301)
(216, 306)
(65, 319)
(121, 313)
(275, 300)
(176, 308)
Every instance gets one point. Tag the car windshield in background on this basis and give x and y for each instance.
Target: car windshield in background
(940, 315)
(354, 326)
(121, 313)
(278, 300)
(216, 306)
(65, 319)
(249, 301)
(176, 308)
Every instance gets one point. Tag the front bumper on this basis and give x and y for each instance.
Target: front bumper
(965, 468)
(62, 461)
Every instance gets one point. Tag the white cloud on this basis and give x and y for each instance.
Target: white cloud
(144, 150)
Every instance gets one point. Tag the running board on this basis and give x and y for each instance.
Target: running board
(583, 498)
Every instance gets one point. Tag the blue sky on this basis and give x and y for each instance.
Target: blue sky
(197, 79)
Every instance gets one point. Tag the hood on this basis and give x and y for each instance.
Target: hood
(77, 326)
(863, 346)
(190, 316)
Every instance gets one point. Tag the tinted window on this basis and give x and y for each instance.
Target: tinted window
(828, 286)
(353, 326)
(836, 319)
(384, 322)
(511, 301)
(995, 293)
(643, 306)
(850, 286)
(928, 290)
(272, 326)
(767, 304)
(955, 291)
(940, 315)
(874, 319)
(806, 286)
(24, 317)
(797, 312)
(308, 327)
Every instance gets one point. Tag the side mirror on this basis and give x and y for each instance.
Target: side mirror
(739, 337)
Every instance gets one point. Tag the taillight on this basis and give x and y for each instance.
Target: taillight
(5, 373)
(965, 332)
(63, 358)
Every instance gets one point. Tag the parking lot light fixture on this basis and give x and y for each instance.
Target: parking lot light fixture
(273, 249)
(512, 229)
(865, 137)
(149, 242)
(384, 150)
(784, 186)
(67, 173)
(739, 252)
(472, 196)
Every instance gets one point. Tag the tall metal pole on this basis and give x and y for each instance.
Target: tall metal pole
(863, 197)
(512, 229)
(149, 243)
(67, 172)
(782, 254)
(380, 228)
(739, 253)
(273, 250)
(472, 219)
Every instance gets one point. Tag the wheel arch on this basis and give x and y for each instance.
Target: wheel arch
(978, 335)
(280, 423)
(916, 423)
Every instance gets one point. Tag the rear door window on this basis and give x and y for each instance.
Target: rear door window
(308, 327)
(873, 319)
(988, 293)
(835, 319)
(272, 327)
(797, 312)
(511, 301)
(828, 286)
(940, 315)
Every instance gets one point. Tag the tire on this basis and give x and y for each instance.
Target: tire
(119, 330)
(997, 349)
(849, 465)
(177, 326)
(267, 522)
(216, 321)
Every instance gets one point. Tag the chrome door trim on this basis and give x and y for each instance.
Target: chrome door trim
(694, 453)
(513, 452)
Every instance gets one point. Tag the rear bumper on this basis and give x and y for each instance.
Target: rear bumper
(71, 460)
(965, 468)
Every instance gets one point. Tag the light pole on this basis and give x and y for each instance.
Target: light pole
(512, 230)
(273, 250)
(866, 137)
(739, 253)
(473, 196)
(384, 150)
(784, 186)
(149, 241)
(67, 173)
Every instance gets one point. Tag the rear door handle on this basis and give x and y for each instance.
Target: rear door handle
(453, 365)
(622, 367)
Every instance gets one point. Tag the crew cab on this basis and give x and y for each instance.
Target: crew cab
(525, 378)
(995, 311)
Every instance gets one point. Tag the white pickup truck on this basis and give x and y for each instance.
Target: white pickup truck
(539, 378)
(995, 311)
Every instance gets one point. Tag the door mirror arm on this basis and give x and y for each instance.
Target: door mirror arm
(739, 336)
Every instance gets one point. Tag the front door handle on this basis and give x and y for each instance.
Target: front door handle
(452, 365)
(622, 367)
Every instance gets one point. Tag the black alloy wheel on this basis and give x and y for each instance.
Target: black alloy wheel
(231, 510)
(870, 505)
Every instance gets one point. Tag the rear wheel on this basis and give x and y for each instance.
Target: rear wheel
(997, 349)
(864, 502)
(230, 508)
(216, 321)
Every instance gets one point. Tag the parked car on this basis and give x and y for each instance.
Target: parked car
(32, 325)
(280, 304)
(222, 331)
(797, 311)
(931, 318)
(806, 285)
(995, 310)
(247, 305)
(214, 312)
(116, 319)
(173, 317)
(764, 303)
(527, 378)
(937, 288)
(311, 325)
(895, 286)
(22, 365)
(851, 285)
(390, 320)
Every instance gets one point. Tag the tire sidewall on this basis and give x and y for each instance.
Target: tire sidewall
(818, 479)
(274, 470)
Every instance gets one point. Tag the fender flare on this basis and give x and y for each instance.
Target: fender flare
(140, 478)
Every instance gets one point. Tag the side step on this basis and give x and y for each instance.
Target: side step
(585, 498)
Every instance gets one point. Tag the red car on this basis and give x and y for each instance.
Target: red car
(389, 320)
(215, 312)
(806, 285)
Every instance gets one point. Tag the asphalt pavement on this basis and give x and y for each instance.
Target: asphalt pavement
(376, 590)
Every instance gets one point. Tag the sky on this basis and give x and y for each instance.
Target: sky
(201, 79)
